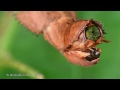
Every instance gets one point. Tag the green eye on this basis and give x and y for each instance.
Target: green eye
(92, 33)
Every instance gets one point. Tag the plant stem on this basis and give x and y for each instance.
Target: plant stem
(7, 61)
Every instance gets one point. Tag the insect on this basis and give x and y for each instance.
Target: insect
(75, 39)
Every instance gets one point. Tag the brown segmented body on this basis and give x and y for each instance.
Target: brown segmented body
(61, 29)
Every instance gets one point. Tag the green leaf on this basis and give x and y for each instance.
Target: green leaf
(37, 53)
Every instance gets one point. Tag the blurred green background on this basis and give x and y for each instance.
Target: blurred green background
(22, 52)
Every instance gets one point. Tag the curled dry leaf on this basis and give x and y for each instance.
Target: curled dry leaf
(76, 40)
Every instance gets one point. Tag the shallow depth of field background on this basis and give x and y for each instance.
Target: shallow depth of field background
(17, 44)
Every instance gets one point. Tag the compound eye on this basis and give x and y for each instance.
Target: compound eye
(97, 54)
(90, 57)
(92, 33)
(94, 54)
